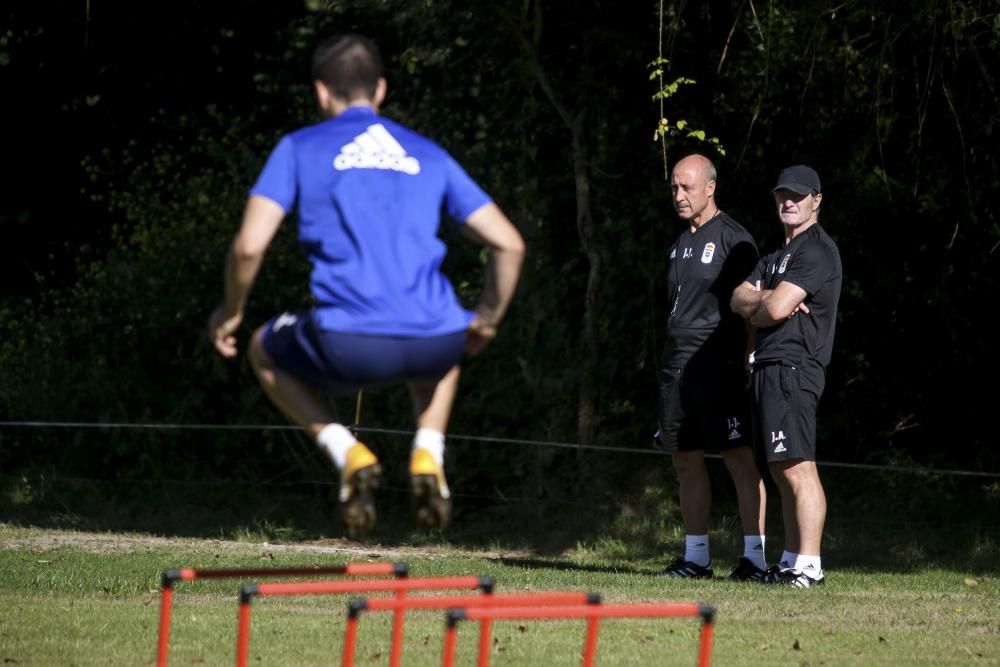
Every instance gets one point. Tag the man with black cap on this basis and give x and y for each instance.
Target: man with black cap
(791, 298)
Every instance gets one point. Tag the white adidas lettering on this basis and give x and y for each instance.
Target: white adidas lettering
(375, 148)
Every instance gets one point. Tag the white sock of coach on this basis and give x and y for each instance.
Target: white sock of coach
(696, 550)
(753, 550)
(811, 565)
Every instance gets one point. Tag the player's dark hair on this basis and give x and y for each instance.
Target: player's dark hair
(350, 65)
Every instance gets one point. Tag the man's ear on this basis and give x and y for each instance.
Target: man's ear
(710, 188)
(380, 91)
(322, 94)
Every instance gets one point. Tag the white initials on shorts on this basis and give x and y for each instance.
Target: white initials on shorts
(776, 437)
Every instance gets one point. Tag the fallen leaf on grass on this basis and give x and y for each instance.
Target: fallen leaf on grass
(522, 629)
(763, 647)
(971, 582)
(796, 645)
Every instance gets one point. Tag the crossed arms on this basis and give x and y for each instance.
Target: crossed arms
(766, 308)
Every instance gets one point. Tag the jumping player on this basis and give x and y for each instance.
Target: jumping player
(368, 195)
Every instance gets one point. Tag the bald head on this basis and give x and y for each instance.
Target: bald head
(693, 189)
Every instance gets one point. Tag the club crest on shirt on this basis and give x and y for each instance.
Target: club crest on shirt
(784, 263)
(708, 253)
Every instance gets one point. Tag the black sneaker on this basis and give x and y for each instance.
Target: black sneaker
(747, 571)
(684, 568)
(788, 577)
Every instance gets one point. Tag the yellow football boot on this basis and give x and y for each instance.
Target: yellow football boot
(358, 480)
(431, 497)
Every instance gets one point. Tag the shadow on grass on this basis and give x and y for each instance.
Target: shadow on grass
(876, 521)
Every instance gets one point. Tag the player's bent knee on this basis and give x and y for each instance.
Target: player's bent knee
(256, 353)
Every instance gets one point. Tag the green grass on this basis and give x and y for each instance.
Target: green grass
(63, 602)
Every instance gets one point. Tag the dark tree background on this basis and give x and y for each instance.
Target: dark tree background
(132, 132)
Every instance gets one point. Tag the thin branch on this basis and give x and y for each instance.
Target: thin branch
(878, 110)
(729, 37)
(767, 79)
(663, 137)
(965, 170)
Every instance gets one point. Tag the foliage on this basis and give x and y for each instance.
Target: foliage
(895, 104)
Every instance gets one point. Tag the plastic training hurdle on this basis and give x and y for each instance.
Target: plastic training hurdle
(593, 614)
(355, 607)
(194, 574)
(399, 586)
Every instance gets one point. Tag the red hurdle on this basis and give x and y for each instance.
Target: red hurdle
(192, 574)
(593, 614)
(355, 607)
(399, 586)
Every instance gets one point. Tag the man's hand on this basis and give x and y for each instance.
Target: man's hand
(222, 331)
(801, 308)
(480, 335)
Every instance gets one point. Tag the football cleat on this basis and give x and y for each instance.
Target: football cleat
(746, 571)
(431, 497)
(789, 577)
(358, 480)
(686, 569)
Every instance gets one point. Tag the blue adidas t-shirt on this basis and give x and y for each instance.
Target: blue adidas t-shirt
(369, 195)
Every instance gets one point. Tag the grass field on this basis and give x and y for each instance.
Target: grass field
(77, 598)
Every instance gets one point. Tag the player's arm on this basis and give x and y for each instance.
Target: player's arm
(261, 220)
(489, 226)
(779, 304)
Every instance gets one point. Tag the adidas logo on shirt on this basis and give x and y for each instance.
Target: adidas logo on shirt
(375, 148)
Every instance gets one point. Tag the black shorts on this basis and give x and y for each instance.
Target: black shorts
(703, 408)
(345, 362)
(784, 412)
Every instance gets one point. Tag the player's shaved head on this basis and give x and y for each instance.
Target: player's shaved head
(350, 66)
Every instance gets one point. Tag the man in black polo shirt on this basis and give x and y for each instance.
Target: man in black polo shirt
(703, 402)
(791, 297)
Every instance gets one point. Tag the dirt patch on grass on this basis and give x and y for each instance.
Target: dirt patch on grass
(12, 537)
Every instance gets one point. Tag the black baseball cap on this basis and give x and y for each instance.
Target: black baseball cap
(800, 179)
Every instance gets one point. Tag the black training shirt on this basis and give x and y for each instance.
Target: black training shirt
(703, 268)
(811, 261)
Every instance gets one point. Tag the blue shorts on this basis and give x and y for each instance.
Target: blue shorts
(342, 363)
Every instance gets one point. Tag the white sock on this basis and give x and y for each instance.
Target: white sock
(787, 561)
(432, 441)
(811, 565)
(753, 550)
(336, 440)
(696, 550)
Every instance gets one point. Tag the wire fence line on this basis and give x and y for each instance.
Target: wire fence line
(471, 438)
